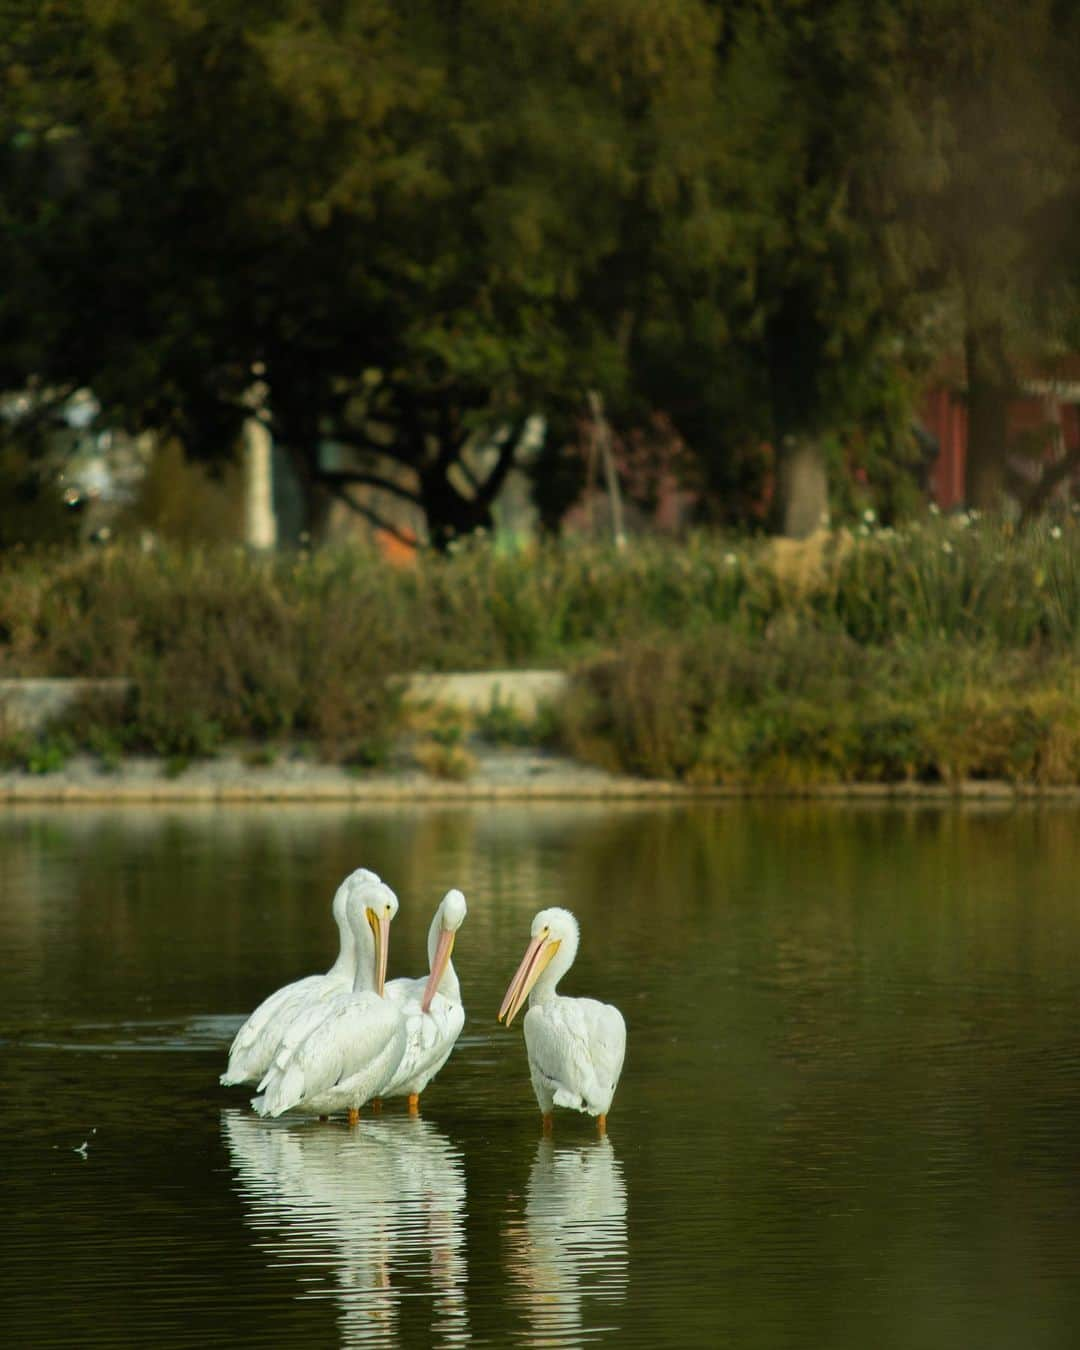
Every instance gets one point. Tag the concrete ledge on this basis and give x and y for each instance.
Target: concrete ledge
(525, 691)
(27, 705)
(501, 775)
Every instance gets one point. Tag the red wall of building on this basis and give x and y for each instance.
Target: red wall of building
(945, 417)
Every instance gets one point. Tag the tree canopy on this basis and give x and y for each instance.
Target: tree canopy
(420, 223)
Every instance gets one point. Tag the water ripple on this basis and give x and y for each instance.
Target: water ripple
(190, 1033)
(367, 1216)
(569, 1249)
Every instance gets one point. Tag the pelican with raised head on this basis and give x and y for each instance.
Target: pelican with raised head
(337, 1056)
(576, 1046)
(256, 1043)
(431, 1006)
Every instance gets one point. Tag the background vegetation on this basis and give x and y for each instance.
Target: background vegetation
(941, 652)
(407, 234)
(416, 224)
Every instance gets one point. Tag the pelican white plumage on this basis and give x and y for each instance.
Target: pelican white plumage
(576, 1046)
(338, 1054)
(431, 1006)
(255, 1044)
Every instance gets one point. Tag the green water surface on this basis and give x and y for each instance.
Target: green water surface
(849, 1116)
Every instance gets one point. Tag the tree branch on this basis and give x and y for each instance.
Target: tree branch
(338, 479)
(360, 440)
(340, 490)
(490, 488)
(1052, 476)
(468, 475)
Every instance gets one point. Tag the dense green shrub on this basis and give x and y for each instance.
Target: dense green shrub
(802, 708)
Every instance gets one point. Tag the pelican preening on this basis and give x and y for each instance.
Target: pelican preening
(255, 1044)
(330, 1043)
(338, 1053)
(576, 1046)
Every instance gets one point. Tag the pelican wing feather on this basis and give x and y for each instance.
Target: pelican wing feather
(342, 1062)
(576, 1049)
(253, 1046)
(430, 1037)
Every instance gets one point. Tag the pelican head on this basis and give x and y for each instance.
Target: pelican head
(354, 883)
(552, 930)
(448, 919)
(372, 906)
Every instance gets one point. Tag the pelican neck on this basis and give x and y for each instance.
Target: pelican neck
(544, 990)
(449, 986)
(364, 968)
(345, 964)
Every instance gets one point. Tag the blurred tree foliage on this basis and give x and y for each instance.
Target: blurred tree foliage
(975, 194)
(32, 511)
(417, 223)
(185, 503)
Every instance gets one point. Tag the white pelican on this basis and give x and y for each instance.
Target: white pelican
(431, 1007)
(576, 1045)
(256, 1043)
(337, 1054)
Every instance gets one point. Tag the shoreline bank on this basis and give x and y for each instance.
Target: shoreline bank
(499, 775)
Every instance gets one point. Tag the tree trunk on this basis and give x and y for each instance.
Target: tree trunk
(989, 388)
(601, 444)
(449, 514)
(801, 495)
(795, 341)
(316, 498)
(318, 501)
(260, 523)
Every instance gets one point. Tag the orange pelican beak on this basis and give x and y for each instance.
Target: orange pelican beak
(438, 966)
(380, 926)
(537, 957)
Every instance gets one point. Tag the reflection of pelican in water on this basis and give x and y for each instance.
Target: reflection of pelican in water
(570, 1247)
(379, 1207)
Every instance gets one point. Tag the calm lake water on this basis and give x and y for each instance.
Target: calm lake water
(849, 1117)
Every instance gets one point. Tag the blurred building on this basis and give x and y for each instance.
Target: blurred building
(1043, 426)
